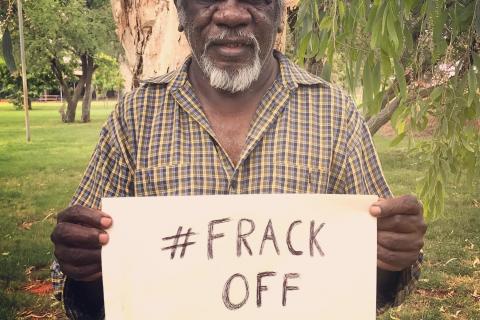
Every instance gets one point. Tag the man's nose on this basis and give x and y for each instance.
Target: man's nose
(232, 14)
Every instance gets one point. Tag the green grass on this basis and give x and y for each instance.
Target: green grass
(37, 179)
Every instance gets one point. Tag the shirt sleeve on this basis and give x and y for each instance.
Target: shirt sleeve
(108, 174)
(362, 174)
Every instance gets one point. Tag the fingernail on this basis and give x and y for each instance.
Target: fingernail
(375, 210)
(106, 222)
(103, 238)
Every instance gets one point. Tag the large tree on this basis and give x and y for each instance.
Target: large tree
(416, 63)
(67, 35)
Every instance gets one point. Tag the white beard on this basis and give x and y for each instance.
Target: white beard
(232, 81)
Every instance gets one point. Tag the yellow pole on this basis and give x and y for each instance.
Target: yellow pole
(24, 69)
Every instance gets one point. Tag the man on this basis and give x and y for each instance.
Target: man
(238, 117)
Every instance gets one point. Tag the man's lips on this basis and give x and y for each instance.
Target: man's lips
(231, 47)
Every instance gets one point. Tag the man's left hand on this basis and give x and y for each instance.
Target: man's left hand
(400, 231)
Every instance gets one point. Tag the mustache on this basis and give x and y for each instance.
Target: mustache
(233, 36)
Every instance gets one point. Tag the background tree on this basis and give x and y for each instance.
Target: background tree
(107, 77)
(67, 35)
(11, 84)
(415, 62)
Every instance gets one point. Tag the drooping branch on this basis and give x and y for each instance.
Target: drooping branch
(381, 118)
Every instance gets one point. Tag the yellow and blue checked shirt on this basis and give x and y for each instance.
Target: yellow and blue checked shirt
(306, 137)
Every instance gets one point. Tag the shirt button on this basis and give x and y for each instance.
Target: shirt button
(233, 186)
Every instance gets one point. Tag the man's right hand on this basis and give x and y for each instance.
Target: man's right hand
(78, 238)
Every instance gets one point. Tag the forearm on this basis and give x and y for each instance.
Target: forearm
(84, 300)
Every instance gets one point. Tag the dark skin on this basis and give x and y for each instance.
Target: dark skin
(230, 114)
(81, 232)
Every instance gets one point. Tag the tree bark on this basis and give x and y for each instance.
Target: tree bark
(381, 118)
(89, 69)
(148, 31)
(71, 96)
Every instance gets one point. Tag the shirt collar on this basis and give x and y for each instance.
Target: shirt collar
(291, 75)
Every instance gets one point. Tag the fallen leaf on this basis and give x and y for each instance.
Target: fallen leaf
(453, 259)
(5, 253)
(476, 261)
(476, 203)
(442, 309)
(26, 225)
(39, 287)
(476, 296)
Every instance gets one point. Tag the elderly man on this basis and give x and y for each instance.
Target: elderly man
(238, 117)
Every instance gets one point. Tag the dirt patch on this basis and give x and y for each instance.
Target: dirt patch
(41, 288)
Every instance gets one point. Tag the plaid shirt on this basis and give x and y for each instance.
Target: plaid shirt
(306, 137)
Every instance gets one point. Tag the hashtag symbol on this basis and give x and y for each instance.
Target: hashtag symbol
(176, 244)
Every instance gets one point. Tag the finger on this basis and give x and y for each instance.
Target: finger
(85, 216)
(388, 267)
(91, 278)
(78, 256)
(400, 223)
(74, 235)
(80, 272)
(400, 241)
(397, 259)
(404, 205)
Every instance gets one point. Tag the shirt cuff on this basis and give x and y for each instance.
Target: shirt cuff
(75, 305)
(407, 283)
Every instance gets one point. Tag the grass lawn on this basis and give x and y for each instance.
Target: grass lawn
(38, 179)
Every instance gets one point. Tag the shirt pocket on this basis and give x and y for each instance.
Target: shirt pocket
(179, 180)
(290, 178)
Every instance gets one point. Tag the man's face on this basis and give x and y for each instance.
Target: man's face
(230, 39)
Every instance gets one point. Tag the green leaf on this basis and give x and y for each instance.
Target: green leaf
(326, 23)
(400, 73)
(341, 9)
(436, 93)
(392, 33)
(477, 17)
(472, 86)
(327, 71)
(386, 64)
(397, 139)
(7, 51)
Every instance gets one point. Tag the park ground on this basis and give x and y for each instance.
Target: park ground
(37, 180)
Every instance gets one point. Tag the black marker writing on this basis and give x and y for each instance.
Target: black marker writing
(260, 287)
(286, 287)
(241, 236)
(176, 244)
(313, 238)
(289, 241)
(212, 236)
(269, 235)
(226, 292)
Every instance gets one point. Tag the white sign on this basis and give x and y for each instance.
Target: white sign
(240, 257)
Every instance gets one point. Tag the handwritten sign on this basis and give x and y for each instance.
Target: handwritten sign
(240, 257)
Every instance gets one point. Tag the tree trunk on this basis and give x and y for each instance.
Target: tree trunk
(153, 46)
(87, 95)
(71, 96)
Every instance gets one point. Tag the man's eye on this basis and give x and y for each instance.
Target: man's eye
(259, 2)
(253, 2)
